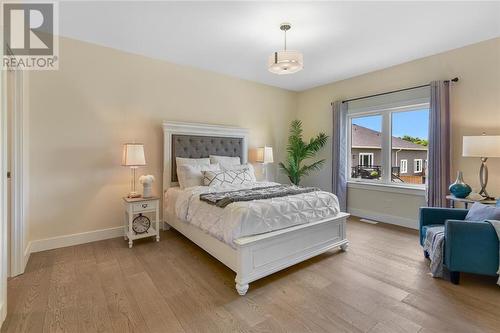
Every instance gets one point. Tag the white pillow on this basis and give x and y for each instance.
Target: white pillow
(226, 177)
(248, 166)
(192, 175)
(225, 161)
(191, 161)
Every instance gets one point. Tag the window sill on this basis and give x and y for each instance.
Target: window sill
(408, 190)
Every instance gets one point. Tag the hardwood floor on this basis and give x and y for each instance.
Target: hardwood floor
(380, 285)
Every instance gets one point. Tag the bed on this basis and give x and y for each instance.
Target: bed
(256, 249)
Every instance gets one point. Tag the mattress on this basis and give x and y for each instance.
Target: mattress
(241, 219)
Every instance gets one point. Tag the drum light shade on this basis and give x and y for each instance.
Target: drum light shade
(481, 146)
(133, 155)
(285, 62)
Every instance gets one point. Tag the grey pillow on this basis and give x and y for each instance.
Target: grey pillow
(480, 212)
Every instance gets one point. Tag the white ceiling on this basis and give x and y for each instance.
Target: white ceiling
(339, 39)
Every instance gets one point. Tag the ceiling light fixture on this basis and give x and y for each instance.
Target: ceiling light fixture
(286, 61)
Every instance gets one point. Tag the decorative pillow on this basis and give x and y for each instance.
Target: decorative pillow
(192, 175)
(225, 177)
(225, 161)
(248, 166)
(480, 212)
(191, 161)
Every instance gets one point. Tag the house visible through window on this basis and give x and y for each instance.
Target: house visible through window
(387, 142)
(366, 150)
(403, 165)
(409, 142)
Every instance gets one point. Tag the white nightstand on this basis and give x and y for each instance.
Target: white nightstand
(139, 206)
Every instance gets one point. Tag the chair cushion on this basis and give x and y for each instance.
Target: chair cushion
(480, 212)
(424, 231)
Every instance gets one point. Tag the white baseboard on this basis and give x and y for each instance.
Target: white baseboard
(74, 239)
(27, 253)
(3, 311)
(391, 219)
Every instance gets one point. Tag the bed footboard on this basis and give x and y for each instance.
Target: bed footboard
(262, 255)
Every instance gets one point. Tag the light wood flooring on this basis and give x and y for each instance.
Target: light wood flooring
(380, 285)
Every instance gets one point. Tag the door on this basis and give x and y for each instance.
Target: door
(366, 159)
(3, 192)
(10, 111)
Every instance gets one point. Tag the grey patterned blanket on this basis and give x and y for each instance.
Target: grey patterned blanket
(222, 199)
(433, 245)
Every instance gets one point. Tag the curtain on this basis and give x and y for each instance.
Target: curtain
(339, 153)
(438, 164)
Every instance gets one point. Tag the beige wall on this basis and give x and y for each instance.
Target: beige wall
(475, 105)
(100, 98)
(81, 114)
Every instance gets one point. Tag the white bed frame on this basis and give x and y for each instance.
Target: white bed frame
(257, 256)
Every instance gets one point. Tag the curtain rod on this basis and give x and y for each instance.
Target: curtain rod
(394, 91)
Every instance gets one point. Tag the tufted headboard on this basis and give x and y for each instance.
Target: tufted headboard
(197, 146)
(193, 140)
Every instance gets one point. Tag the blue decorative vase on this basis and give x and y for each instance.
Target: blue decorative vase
(459, 189)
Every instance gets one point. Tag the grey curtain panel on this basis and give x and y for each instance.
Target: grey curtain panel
(438, 164)
(339, 153)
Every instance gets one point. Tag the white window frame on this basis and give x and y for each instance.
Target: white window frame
(386, 158)
(370, 158)
(416, 163)
(405, 169)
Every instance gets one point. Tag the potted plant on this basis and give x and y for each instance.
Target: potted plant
(298, 151)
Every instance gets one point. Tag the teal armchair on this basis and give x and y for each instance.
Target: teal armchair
(469, 246)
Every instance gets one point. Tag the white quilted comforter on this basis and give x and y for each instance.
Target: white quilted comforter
(242, 219)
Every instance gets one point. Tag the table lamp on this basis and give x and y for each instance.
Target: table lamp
(265, 156)
(133, 157)
(484, 147)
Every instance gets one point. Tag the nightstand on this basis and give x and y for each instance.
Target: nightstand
(145, 207)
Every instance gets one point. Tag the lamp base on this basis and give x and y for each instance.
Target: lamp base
(134, 195)
(483, 179)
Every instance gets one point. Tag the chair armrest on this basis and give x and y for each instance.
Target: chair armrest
(436, 215)
(471, 246)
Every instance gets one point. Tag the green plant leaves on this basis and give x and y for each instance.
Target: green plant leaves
(298, 151)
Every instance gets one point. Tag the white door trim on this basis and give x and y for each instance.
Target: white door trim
(3, 192)
(19, 179)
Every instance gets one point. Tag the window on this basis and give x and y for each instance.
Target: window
(365, 159)
(365, 140)
(403, 166)
(410, 130)
(384, 139)
(417, 166)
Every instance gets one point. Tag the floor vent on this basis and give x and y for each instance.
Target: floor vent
(368, 221)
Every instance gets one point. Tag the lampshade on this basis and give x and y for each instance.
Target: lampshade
(481, 146)
(285, 62)
(265, 155)
(133, 155)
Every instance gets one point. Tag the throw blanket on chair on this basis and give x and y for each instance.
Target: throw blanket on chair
(434, 245)
(496, 225)
(222, 199)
